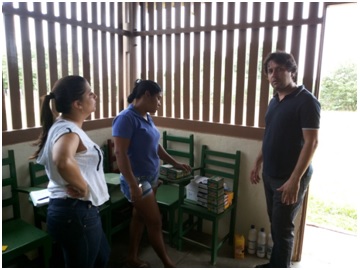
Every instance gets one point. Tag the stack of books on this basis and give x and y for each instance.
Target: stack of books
(170, 172)
(210, 193)
(216, 196)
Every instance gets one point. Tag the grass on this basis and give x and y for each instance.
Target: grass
(333, 197)
(332, 215)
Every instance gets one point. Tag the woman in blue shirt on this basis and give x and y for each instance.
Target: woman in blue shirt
(138, 155)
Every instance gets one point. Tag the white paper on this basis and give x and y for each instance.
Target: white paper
(40, 197)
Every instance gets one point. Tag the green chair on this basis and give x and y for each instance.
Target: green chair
(120, 209)
(213, 163)
(19, 236)
(39, 179)
(167, 195)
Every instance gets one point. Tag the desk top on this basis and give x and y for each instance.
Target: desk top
(112, 178)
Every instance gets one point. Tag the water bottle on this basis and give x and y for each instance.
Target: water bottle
(252, 240)
(269, 246)
(261, 244)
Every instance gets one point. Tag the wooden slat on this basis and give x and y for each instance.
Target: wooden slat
(316, 91)
(168, 91)
(120, 84)
(254, 48)
(177, 63)
(160, 68)
(186, 103)
(104, 63)
(281, 39)
(113, 110)
(144, 44)
(27, 70)
(296, 31)
(218, 65)
(240, 76)
(85, 43)
(310, 49)
(53, 70)
(95, 59)
(264, 84)
(150, 45)
(229, 65)
(4, 115)
(196, 64)
(74, 41)
(13, 70)
(206, 64)
(64, 51)
(40, 55)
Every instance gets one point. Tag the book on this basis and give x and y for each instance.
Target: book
(40, 197)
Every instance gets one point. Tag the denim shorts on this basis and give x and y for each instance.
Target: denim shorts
(147, 185)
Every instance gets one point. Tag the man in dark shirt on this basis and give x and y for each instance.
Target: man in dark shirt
(291, 137)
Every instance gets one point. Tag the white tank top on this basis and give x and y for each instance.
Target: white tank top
(89, 161)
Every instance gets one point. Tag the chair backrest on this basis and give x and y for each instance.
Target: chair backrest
(38, 176)
(180, 146)
(106, 165)
(223, 164)
(10, 199)
(113, 167)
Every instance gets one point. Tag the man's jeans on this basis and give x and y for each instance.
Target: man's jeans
(76, 226)
(282, 218)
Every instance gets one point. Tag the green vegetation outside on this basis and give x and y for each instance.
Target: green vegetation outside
(332, 215)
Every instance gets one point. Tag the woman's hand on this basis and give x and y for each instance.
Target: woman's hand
(136, 192)
(182, 166)
(77, 193)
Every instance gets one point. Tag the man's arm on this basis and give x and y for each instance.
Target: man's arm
(254, 175)
(291, 187)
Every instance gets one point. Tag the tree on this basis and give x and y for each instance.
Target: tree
(339, 89)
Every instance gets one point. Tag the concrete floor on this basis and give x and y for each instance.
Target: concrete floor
(190, 256)
(322, 248)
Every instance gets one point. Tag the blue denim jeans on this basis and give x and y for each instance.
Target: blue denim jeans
(76, 226)
(282, 218)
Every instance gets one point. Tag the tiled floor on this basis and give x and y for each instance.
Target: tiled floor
(322, 248)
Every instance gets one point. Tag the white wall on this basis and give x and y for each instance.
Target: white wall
(251, 204)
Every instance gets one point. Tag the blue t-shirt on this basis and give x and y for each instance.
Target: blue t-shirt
(144, 140)
(283, 138)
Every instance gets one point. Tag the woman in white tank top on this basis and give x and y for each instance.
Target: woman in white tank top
(77, 185)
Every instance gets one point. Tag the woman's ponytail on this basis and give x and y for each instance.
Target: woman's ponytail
(134, 93)
(47, 120)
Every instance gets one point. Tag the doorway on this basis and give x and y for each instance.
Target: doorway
(335, 160)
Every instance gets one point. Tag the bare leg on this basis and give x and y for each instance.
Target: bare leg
(148, 209)
(136, 231)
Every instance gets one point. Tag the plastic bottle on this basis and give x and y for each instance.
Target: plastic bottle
(269, 246)
(252, 240)
(239, 246)
(261, 244)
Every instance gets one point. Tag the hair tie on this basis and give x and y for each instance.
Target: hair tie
(137, 82)
(51, 95)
